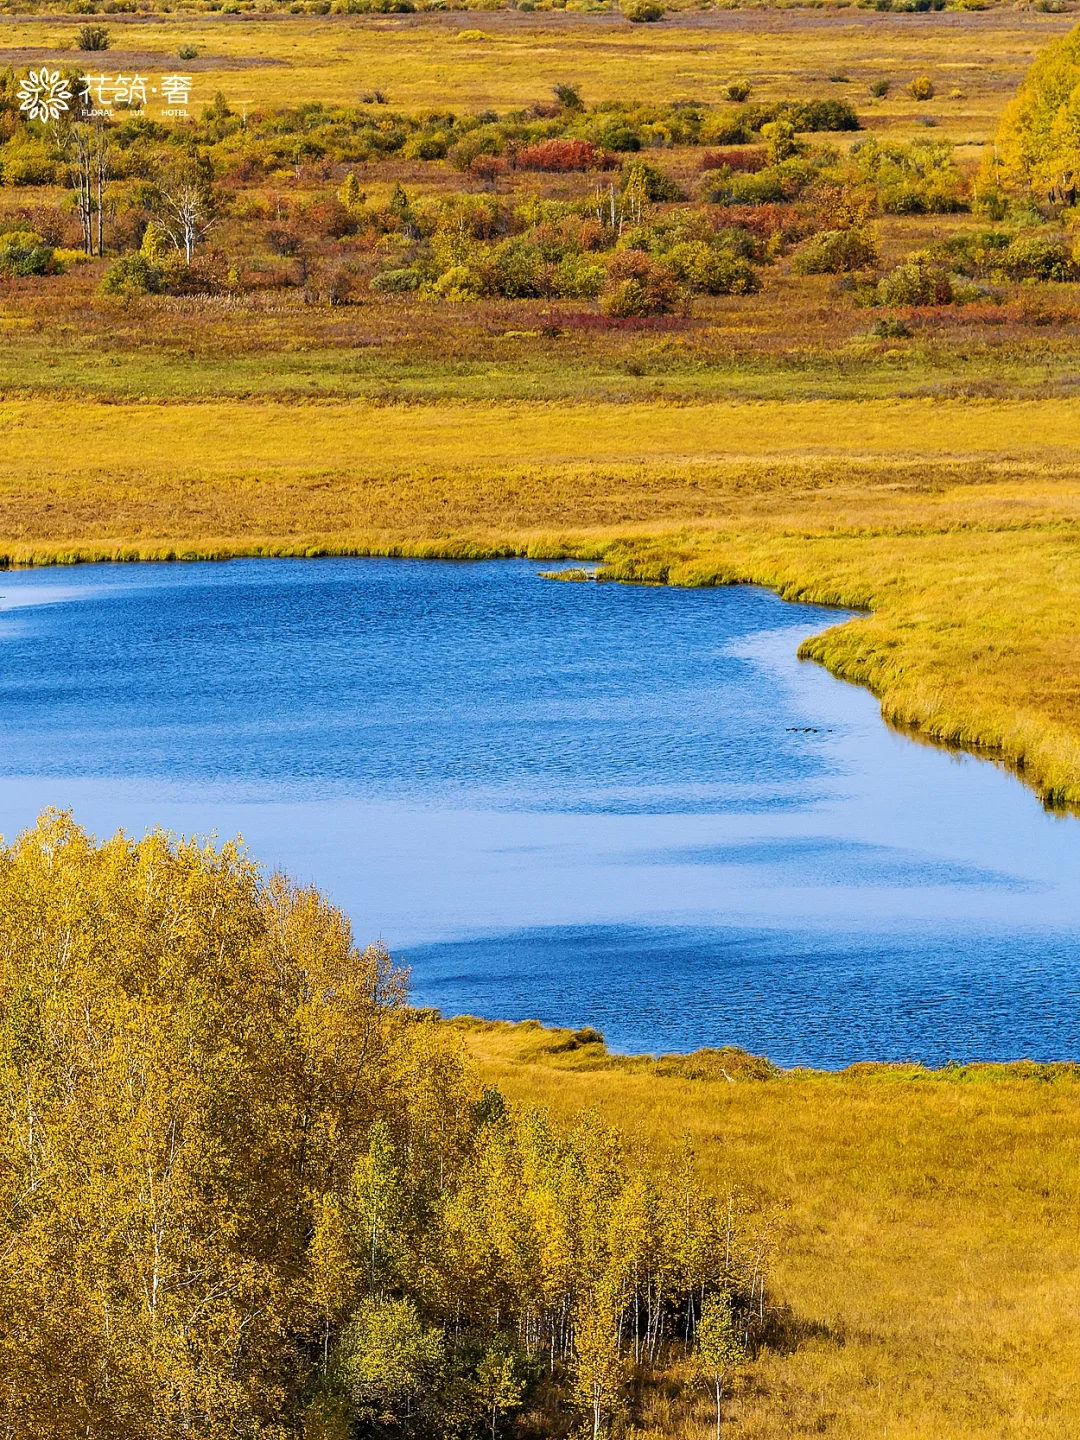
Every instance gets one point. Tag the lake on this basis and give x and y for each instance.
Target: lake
(629, 807)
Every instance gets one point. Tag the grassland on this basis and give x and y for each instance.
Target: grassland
(418, 61)
(928, 1249)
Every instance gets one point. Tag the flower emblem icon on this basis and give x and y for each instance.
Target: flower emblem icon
(43, 95)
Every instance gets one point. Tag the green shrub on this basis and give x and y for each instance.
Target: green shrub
(780, 142)
(484, 141)
(991, 202)
(93, 37)
(726, 127)
(626, 298)
(132, 275)
(610, 132)
(818, 115)
(652, 184)
(24, 252)
(458, 284)
(919, 281)
(398, 282)
(738, 91)
(713, 271)
(934, 195)
(426, 147)
(568, 97)
(642, 12)
(578, 279)
(835, 252)
(767, 187)
(879, 88)
(891, 329)
(188, 52)
(518, 270)
(638, 285)
(1037, 257)
(28, 162)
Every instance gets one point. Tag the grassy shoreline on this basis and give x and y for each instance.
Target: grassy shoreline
(952, 526)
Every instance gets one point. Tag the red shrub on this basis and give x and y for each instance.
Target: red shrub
(764, 221)
(560, 155)
(747, 158)
(487, 167)
(329, 217)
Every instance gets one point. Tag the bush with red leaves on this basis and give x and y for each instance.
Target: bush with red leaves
(560, 155)
(747, 158)
(638, 285)
(788, 221)
(487, 167)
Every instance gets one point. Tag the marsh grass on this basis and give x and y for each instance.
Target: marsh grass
(928, 1267)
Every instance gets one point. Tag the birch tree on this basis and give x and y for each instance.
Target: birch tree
(186, 204)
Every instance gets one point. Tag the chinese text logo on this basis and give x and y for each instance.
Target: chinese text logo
(43, 95)
(105, 91)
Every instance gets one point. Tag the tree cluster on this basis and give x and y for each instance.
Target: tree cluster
(270, 142)
(247, 1191)
(277, 198)
(1038, 142)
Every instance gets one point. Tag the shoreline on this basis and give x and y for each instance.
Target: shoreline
(584, 1050)
(680, 559)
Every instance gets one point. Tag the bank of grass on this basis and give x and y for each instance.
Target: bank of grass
(929, 1252)
(954, 524)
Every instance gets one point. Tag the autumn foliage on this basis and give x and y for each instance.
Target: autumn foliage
(247, 1191)
(560, 155)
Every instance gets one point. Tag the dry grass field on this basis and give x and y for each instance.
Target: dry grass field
(419, 62)
(927, 1245)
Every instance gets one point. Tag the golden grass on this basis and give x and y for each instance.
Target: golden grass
(930, 1249)
(418, 61)
(212, 440)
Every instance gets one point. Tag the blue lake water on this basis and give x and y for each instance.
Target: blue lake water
(623, 806)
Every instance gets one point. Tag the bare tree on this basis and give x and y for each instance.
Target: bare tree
(90, 170)
(186, 205)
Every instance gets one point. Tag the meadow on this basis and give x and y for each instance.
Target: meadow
(924, 1241)
(419, 61)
